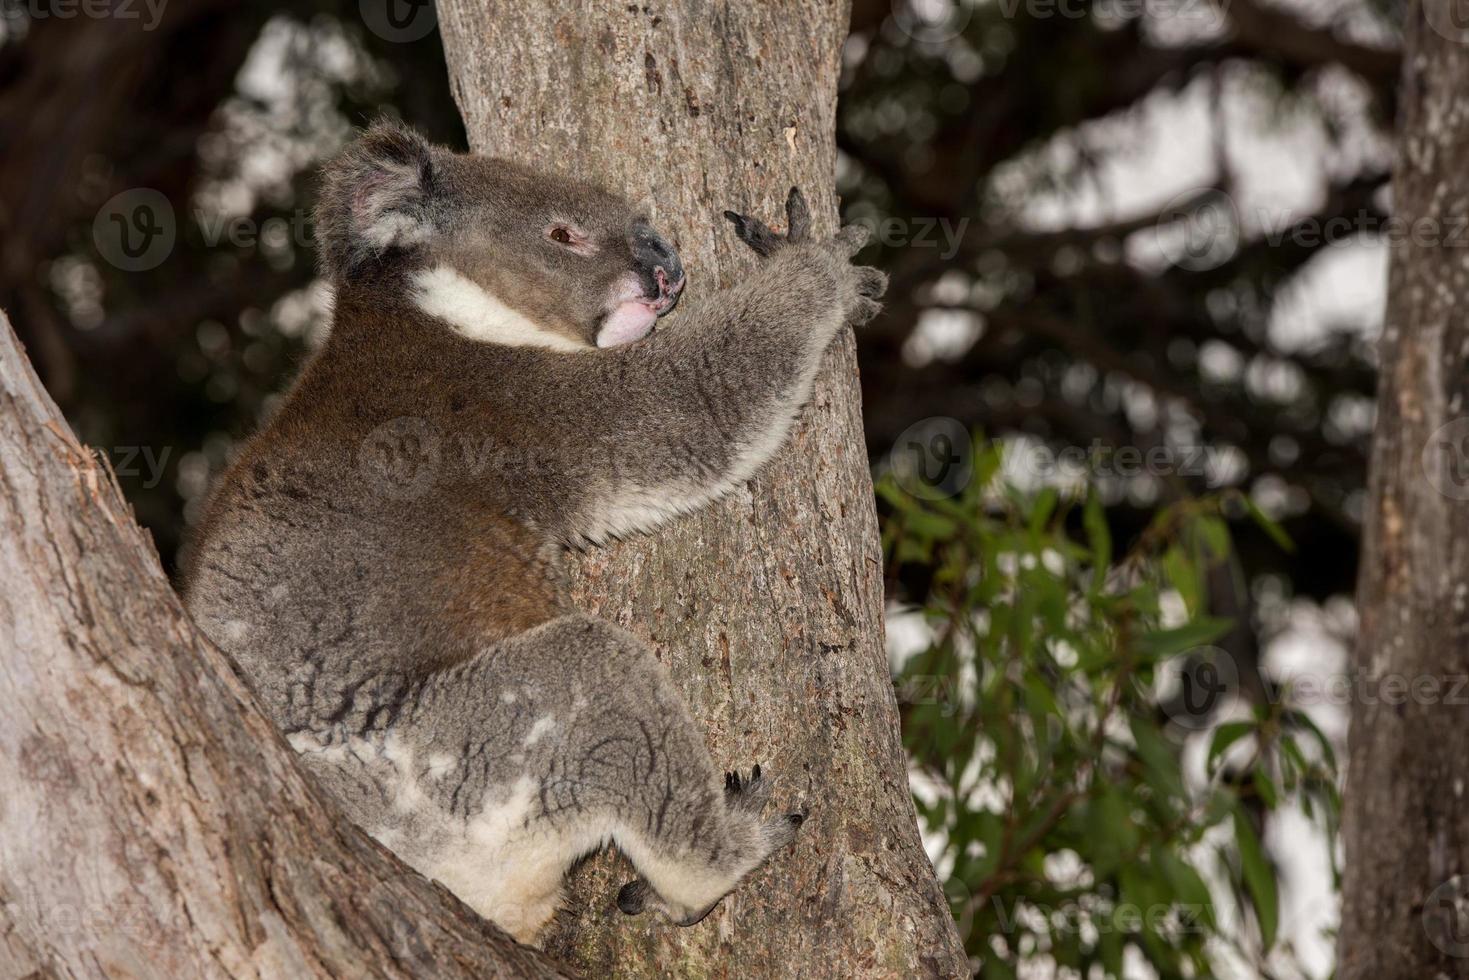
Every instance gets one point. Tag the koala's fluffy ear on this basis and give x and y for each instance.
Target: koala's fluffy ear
(376, 195)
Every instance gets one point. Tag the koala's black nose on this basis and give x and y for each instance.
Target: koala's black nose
(652, 252)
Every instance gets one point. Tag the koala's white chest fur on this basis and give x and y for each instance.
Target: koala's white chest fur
(477, 315)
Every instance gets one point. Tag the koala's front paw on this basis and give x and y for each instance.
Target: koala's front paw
(864, 285)
(860, 286)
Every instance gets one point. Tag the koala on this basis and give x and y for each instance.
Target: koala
(384, 561)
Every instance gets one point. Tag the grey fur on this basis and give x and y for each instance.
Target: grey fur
(383, 561)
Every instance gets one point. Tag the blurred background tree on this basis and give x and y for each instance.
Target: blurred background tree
(1140, 243)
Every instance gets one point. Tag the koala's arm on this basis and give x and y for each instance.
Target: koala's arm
(696, 409)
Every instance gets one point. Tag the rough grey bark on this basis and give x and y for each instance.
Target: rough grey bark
(767, 607)
(152, 823)
(1406, 823)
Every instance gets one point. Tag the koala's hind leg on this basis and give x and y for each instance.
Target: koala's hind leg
(581, 716)
(692, 831)
(687, 884)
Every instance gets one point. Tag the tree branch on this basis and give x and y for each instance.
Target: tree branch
(1273, 32)
(154, 820)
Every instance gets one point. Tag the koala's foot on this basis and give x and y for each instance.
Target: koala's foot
(749, 794)
(692, 885)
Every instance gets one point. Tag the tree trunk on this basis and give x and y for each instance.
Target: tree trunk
(1406, 824)
(152, 822)
(768, 606)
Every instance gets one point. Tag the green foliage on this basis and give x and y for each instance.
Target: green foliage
(1073, 825)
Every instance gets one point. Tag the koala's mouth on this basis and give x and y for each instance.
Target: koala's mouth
(634, 311)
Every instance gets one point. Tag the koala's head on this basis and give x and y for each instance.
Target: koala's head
(504, 254)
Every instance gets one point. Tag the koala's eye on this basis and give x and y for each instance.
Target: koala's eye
(571, 237)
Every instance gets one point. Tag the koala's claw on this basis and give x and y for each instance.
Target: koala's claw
(851, 240)
(632, 898)
(747, 793)
(798, 217)
(871, 283)
(765, 241)
(756, 234)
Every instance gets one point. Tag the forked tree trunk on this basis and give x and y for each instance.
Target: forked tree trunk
(152, 823)
(768, 606)
(1406, 826)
